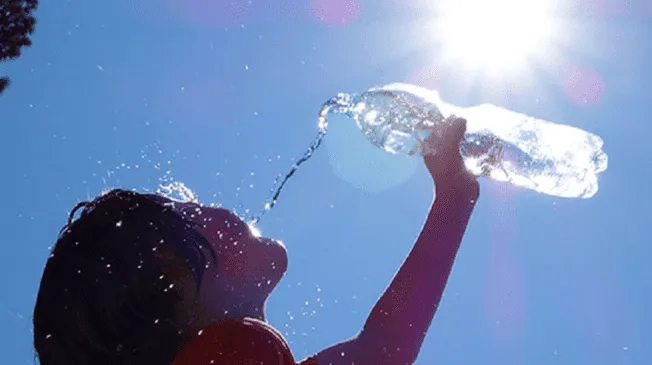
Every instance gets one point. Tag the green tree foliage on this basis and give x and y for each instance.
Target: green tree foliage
(16, 25)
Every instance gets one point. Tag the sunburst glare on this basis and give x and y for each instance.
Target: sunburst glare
(499, 47)
(499, 34)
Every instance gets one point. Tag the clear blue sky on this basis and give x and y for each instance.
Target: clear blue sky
(223, 94)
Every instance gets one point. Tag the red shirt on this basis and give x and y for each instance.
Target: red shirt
(238, 342)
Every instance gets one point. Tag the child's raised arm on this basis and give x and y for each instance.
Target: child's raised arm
(397, 325)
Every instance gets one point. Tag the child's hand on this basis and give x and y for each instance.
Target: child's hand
(446, 165)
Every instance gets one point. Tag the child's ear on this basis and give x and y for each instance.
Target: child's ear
(173, 266)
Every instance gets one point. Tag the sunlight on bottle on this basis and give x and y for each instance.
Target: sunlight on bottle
(546, 157)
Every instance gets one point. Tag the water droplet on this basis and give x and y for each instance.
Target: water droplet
(178, 192)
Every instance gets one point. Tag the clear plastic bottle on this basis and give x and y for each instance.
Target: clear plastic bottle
(550, 158)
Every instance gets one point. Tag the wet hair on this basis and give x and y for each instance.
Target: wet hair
(104, 297)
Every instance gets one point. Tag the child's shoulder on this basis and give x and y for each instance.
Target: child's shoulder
(237, 342)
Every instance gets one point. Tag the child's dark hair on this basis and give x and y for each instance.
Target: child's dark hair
(104, 298)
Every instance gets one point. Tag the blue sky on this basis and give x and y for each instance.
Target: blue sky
(222, 95)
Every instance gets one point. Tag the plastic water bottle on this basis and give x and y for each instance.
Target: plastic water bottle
(550, 158)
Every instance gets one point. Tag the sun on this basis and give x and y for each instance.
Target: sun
(493, 34)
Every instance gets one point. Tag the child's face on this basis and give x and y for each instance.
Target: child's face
(250, 265)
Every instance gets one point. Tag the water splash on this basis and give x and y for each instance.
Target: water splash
(338, 104)
(177, 191)
(507, 146)
(279, 186)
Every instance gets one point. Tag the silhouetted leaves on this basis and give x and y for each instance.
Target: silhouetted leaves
(4, 82)
(16, 25)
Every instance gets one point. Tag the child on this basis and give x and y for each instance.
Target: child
(142, 280)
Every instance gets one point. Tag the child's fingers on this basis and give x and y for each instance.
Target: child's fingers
(446, 137)
(459, 128)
